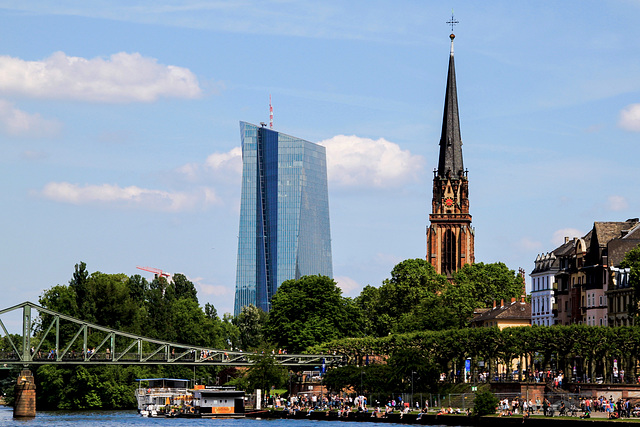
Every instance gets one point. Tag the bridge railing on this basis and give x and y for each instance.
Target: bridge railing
(116, 347)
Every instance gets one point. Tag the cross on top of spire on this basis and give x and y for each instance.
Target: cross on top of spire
(452, 21)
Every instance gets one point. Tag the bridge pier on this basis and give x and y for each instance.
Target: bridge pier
(25, 395)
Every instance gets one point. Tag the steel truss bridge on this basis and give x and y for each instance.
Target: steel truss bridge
(65, 340)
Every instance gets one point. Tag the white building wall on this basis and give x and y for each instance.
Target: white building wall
(542, 299)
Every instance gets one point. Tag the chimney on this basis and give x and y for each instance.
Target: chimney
(502, 303)
(521, 299)
(494, 304)
(566, 239)
(513, 299)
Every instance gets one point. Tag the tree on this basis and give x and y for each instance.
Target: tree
(632, 261)
(478, 285)
(310, 311)
(159, 308)
(250, 322)
(406, 302)
(168, 311)
(265, 372)
(138, 288)
(184, 288)
(230, 331)
(80, 287)
(188, 320)
(112, 304)
(350, 376)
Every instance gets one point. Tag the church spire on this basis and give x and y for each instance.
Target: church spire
(450, 161)
(450, 236)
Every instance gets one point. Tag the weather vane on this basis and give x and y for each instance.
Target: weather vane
(452, 22)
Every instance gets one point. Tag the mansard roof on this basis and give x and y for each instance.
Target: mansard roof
(550, 261)
(606, 231)
(450, 161)
(605, 244)
(618, 248)
(566, 248)
(634, 233)
(545, 262)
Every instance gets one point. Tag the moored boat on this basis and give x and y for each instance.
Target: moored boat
(171, 397)
(158, 397)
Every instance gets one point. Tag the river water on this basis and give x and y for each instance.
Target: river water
(131, 418)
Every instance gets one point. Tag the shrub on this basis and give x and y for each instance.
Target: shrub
(485, 403)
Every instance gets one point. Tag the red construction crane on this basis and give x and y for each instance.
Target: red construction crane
(155, 271)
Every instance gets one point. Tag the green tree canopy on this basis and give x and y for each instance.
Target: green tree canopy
(250, 322)
(310, 311)
(265, 372)
(632, 261)
(167, 310)
(405, 301)
(477, 286)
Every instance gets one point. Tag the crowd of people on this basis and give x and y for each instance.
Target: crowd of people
(584, 407)
(344, 405)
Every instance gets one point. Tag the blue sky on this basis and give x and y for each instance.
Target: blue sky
(119, 135)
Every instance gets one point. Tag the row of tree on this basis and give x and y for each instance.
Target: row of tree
(593, 350)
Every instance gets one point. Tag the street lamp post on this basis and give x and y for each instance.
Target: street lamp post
(412, 372)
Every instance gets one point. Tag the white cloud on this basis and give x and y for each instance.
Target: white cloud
(123, 77)
(349, 286)
(231, 160)
(15, 122)
(225, 165)
(351, 162)
(360, 162)
(215, 290)
(127, 197)
(617, 203)
(559, 235)
(630, 118)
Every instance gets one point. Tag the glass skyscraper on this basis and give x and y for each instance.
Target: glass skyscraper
(284, 214)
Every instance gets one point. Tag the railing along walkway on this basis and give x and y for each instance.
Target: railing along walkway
(117, 347)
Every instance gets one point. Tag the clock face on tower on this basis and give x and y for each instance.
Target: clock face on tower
(448, 202)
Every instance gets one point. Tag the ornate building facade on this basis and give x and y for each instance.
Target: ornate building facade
(585, 278)
(450, 236)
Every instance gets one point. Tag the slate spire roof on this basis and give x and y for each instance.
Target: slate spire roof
(450, 161)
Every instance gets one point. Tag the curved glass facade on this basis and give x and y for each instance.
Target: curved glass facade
(284, 214)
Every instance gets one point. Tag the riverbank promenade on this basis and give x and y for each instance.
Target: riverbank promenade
(443, 419)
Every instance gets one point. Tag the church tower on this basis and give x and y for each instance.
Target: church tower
(450, 237)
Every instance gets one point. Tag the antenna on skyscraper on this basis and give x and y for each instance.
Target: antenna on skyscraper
(270, 113)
